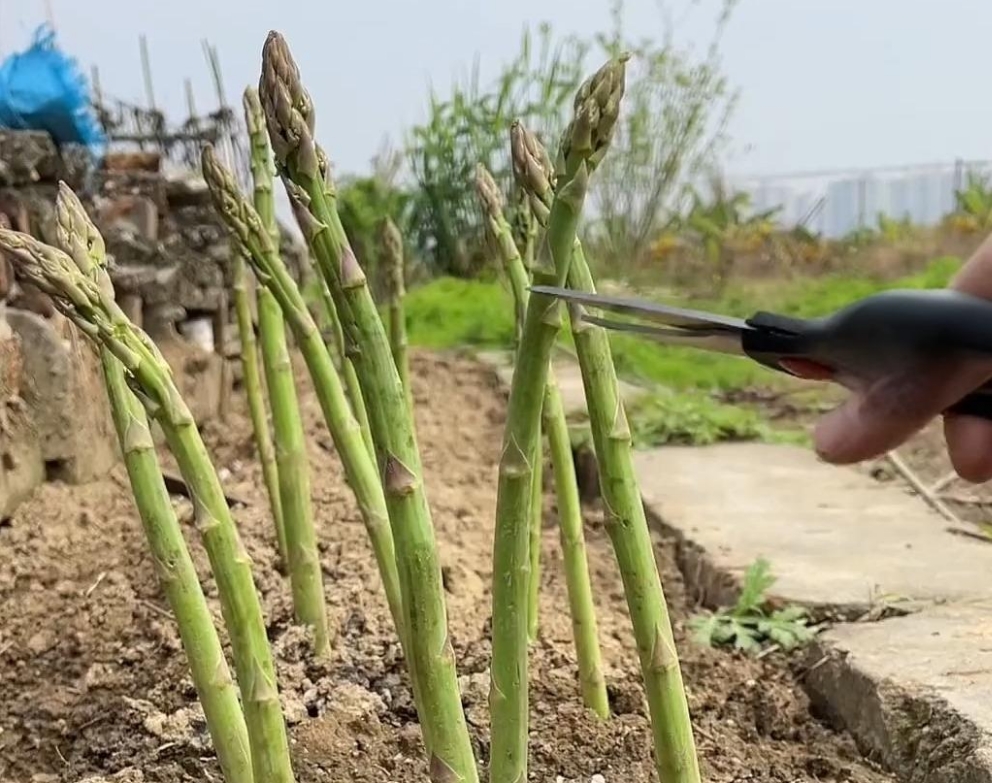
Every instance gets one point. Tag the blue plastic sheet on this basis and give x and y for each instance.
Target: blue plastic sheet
(42, 88)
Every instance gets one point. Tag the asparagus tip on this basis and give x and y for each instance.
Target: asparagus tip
(532, 169)
(597, 109)
(288, 109)
(77, 234)
(488, 190)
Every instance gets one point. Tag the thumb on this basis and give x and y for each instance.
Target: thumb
(887, 412)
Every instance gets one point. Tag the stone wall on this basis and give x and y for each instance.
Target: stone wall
(169, 260)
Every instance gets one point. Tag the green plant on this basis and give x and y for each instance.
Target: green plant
(677, 109)
(208, 667)
(626, 524)
(974, 200)
(469, 127)
(299, 537)
(582, 610)
(290, 117)
(246, 229)
(692, 418)
(747, 626)
(364, 204)
(92, 308)
(717, 222)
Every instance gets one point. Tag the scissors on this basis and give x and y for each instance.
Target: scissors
(895, 332)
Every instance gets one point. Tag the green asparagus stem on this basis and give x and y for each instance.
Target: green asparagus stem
(492, 203)
(535, 537)
(586, 137)
(392, 244)
(256, 396)
(262, 171)
(291, 449)
(345, 365)
(290, 118)
(211, 677)
(246, 228)
(675, 751)
(584, 626)
(91, 306)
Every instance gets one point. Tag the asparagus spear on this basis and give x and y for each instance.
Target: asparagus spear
(246, 228)
(675, 752)
(290, 118)
(596, 107)
(256, 396)
(265, 205)
(211, 677)
(584, 630)
(535, 536)
(291, 449)
(91, 306)
(392, 244)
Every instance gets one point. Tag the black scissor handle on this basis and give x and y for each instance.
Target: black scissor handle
(883, 334)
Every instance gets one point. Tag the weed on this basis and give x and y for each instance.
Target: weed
(696, 419)
(747, 626)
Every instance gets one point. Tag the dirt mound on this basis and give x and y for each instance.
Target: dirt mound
(93, 681)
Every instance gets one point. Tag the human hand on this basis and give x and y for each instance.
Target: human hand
(886, 413)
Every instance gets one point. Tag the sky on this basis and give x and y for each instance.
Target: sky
(823, 84)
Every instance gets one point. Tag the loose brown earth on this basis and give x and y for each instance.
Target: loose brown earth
(93, 681)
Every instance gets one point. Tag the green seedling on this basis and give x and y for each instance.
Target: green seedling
(747, 626)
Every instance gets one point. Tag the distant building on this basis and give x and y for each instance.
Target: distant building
(853, 199)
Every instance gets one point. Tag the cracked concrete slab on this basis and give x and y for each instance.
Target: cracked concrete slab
(835, 538)
(915, 691)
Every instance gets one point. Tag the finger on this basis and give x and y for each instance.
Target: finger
(975, 277)
(891, 410)
(969, 444)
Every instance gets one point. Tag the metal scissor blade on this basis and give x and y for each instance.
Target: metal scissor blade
(719, 339)
(672, 316)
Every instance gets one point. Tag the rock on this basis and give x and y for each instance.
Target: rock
(126, 775)
(21, 465)
(27, 157)
(294, 711)
(133, 161)
(129, 213)
(65, 395)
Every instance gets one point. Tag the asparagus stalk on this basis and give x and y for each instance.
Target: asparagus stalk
(290, 118)
(211, 677)
(347, 367)
(392, 244)
(92, 308)
(291, 450)
(584, 626)
(535, 537)
(256, 396)
(246, 228)
(588, 134)
(675, 752)
(492, 202)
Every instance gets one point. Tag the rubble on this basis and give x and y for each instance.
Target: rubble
(169, 258)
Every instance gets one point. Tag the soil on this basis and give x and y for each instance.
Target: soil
(93, 681)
